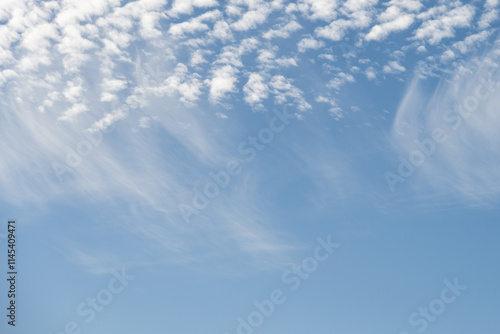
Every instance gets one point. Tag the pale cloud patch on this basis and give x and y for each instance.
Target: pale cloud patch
(340, 80)
(188, 6)
(222, 31)
(393, 67)
(283, 89)
(223, 81)
(309, 43)
(315, 9)
(252, 18)
(444, 25)
(255, 89)
(282, 31)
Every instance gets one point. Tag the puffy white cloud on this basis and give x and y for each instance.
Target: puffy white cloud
(195, 24)
(252, 18)
(282, 88)
(340, 80)
(370, 73)
(113, 85)
(223, 81)
(470, 41)
(255, 89)
(393, 67)
(188, 6)
(198, 58)
(358, 15)
(282, 31)
(443, 26)
(72, 112)
(398, 16)
(5, 75)
(315, 9)
(186, 86)
(335, 111)
(488, 17)
(232, 54)
(309, 43)
(381, 31)
(222, 31)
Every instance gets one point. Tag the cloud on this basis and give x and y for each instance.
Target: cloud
(444, 23)
(335, 111)
(357, 14)
(393, 67)
(340, 80)
(255, 89)
(282, 31)
(222, 31)
(232, 54)
(381, 31)
(308, 44)
(197, 24)
(223, 81)
(489, 15)
(76, 70)
(470, 41)
(252, 18)
(283, 89)
(72, 112)
(463, 109)
(370, 73)
(315, 9)
(188, 6)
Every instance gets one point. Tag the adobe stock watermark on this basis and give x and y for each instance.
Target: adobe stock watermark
(455, 117)
(293, 278)
(248, 150)
(421, 318)
(89, 308)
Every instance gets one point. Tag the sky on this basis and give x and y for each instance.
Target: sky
(251, 166)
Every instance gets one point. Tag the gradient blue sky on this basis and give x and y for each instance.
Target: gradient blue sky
(172, 91)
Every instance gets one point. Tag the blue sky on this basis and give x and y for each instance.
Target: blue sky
(177, 161)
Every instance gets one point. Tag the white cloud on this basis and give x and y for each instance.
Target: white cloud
(113, 85)
(309, 43)
(71, 113)
(358, 15)
(393, 67)
(222, 31)
(370, 73)
(145, 122)
(434, 30)
(335, 111)
(282, 31)
(282, 88)
(464, 109)
(196, 24)
(286, 62)
(232, 54)
(315, 9)
(198, 58)
(255, 89)
(187, 86)
(381, 31)
(340, 80)
(223, 81)
(188, 6)
(489, 15)
(470, 41)
(252, 18)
